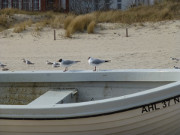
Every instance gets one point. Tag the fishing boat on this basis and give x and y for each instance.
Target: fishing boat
(111, 102)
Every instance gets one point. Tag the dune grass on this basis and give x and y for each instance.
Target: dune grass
(12, 11)
(49, 18)
(57, 21)
(166, 10)
(91, 26)
(3, 20)
(22, 26)
(19, 28)
(41, 24)
(79, 24)
(67, 21)
(53, 22)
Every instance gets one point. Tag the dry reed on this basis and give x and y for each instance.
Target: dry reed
(40, 25)
(79, 24)
(57, 21)
(166, 10)
(91, 27)
(3, 20)
(22, 26)
(68, 20)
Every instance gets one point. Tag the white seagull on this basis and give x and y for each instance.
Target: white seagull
(49, 63)
(27, 61)
(175, 59)
(2, 65)
(176, 67)
(55, 64)
(5, 69)
(96, 62)
(67, 63)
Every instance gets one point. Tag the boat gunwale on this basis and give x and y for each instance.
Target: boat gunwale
(85, 76)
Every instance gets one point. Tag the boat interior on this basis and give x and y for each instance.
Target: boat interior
(43, 93)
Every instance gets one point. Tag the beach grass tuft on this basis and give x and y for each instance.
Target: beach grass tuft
(91, 27)
(68, 20)
(22, 26)
(57, 22)
(41, 24)
(3, 20)
(79, 24)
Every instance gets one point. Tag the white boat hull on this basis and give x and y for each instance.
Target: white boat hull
(162, 121)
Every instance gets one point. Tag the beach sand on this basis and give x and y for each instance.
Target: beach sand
(149, 46)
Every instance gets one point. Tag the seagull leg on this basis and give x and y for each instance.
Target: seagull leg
(94, 69)
(65, 69)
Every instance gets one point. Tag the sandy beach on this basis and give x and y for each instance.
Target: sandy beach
(149, 46)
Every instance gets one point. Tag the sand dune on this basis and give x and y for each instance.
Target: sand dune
(148, 46)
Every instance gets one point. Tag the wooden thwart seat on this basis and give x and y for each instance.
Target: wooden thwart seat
(56, 97)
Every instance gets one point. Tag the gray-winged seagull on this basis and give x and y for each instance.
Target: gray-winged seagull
(2, 65)
(5, 69)
(96, 62)
(49, 63)
(56, 64)
(27, 62)
(176, 67)
(67, 63)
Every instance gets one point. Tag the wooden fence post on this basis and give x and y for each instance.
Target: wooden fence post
(54, 34)
(126, 32)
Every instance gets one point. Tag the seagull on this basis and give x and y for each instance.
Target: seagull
(2, 65)
(55, 64)
(172, 58)
(5, 69)
(96, 62)
(27, 62)
(175, 59)
(49, 63)
(176, 67)
(67, 63)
